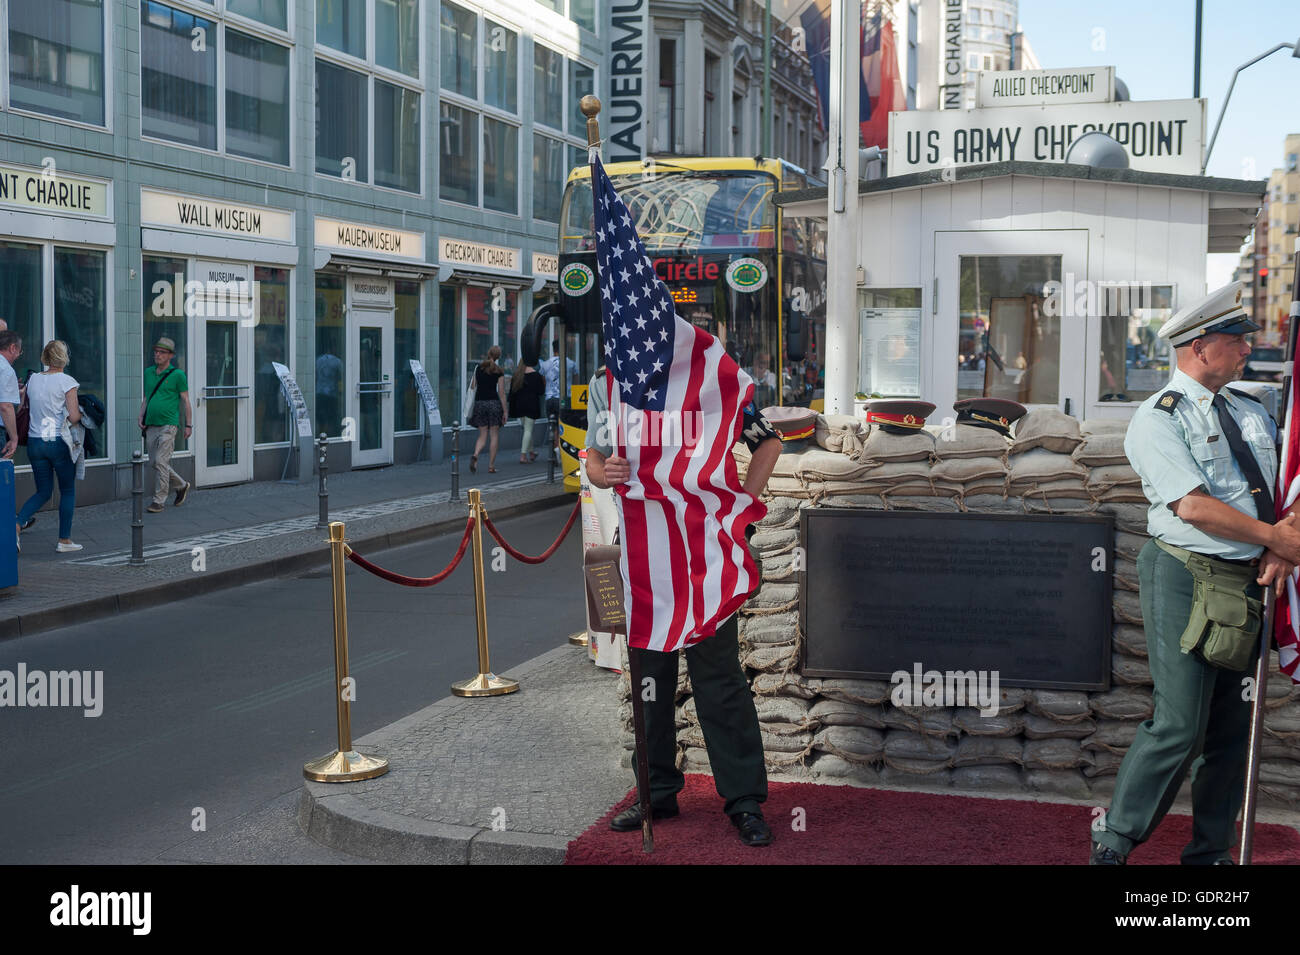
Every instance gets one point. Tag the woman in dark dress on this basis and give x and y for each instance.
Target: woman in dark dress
(527, 389)
(489, 412)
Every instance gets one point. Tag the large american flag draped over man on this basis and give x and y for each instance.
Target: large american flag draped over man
(676, 401)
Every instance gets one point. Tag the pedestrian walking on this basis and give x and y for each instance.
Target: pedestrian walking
(489, 412)
(527, 388)
(167, 395)
(52, 397)
(1205, 453)
(11, 347)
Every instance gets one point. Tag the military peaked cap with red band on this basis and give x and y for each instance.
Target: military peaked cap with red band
(794, 425)
(996, 414)
(899, 415)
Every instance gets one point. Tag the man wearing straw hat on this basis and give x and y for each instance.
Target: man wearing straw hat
(1206, 456)
(166, 396)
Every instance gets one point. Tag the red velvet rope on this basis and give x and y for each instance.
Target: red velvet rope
(416, 581)
(487, 522)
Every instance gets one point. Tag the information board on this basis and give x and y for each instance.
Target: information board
(293, 395)
(427, 395)
(1025, 596)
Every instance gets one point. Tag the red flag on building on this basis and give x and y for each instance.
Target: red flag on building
(881, 82)
(676, 403)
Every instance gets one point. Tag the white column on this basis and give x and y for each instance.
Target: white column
(842, 206)
(693, 88)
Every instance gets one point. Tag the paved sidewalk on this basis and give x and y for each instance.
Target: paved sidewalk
(493, 780)
(223, 537)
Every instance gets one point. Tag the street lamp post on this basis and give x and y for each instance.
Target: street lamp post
(1295, 51)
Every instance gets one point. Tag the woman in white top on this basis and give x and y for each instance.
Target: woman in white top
(52, 396)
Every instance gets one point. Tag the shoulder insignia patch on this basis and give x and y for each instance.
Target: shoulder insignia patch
(1169, 401)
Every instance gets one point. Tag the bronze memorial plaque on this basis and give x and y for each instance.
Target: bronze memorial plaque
(605, 597)
(1025, 596)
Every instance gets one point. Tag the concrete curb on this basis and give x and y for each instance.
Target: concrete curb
(154, 595)
(334, 818)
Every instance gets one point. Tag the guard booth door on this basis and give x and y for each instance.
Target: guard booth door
(996, 333)
(370, 369)
(221, 380)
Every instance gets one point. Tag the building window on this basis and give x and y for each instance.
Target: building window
(78, 288)
(270, 346)
(712, 105)
(666, 102)
(481, 133)
(56, 58)
(161, 278)
(559, 83)
(406, 345)
(368, 112)
(331, 352)
(581, 12)
(180, 96)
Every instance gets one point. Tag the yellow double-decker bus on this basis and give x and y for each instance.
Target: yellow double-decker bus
(734, 264)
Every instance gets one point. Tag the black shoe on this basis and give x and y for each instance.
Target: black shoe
(1105, 855)
(754, 830)
(629, 820)
(30, 522)
(181, 494)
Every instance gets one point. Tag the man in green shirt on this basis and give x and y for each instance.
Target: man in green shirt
(166, 395)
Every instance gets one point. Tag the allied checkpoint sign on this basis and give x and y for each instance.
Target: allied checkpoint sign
(1025, 596)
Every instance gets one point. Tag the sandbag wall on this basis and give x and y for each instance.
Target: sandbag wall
(1041, 741)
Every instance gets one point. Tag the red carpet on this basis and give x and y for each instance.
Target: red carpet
(846, 825)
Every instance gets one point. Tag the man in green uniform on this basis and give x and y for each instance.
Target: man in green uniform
(1207, 458)
(166, 396)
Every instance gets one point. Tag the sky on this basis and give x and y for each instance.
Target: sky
(1151, 44)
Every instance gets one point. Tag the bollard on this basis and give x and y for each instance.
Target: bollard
(322, 493)
(344, 765)
(553, 426)
(455, 460)
(486, 683)
(137, 509)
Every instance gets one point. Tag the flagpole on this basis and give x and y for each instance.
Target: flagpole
(590, 107)
(1270, 602)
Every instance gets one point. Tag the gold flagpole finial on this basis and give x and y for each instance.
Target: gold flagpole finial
(590, 107)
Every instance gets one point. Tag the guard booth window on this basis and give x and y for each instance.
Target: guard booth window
(1009, 345)
(1135, 362)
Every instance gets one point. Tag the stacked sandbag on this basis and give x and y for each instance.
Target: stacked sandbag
(1050, 742)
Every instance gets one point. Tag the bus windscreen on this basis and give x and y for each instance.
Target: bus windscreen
(679, 211)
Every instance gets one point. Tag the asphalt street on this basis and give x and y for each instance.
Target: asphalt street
(211, 705)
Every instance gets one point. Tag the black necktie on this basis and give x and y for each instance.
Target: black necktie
(1245, 459)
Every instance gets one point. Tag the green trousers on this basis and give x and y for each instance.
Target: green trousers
(1201, 723)
(727, 716)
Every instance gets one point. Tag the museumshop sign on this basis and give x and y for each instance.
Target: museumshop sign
(214, 216)
(49, 190)
(1166, 136)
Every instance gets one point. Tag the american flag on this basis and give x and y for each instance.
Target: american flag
(683, 512)
(1286, 613)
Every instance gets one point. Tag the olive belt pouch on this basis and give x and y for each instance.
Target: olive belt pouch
(1224, 626)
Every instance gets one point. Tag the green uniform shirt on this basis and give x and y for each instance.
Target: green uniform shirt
(165, 406)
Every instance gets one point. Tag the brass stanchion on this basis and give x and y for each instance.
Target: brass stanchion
(578, 639)
(486, 683)
(344, 765)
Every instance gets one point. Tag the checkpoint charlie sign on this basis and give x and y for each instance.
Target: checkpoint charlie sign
(1159, 135)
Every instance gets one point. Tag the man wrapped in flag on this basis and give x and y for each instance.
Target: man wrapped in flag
(672, 406)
